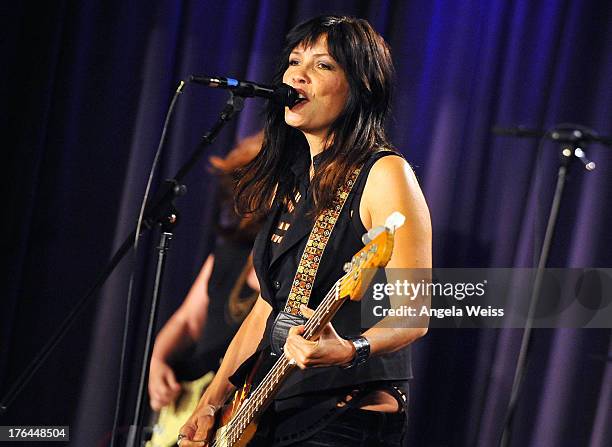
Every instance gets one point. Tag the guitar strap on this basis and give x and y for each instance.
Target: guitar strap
(306, 272)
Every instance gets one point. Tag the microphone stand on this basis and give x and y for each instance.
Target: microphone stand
(234, 105)
(572, 139)
(161, 211)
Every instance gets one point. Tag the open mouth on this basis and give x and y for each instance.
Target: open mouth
(301, 99)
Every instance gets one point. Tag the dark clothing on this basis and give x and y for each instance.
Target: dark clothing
(276, 275)
(310, 396)
(359, 428)
(232, 246)
(317, 411)
(351, 427)
(205, 355)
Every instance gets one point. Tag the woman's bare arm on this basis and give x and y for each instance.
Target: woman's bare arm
(243, 345)
(391, 186)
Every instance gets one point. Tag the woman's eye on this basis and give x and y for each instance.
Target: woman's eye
(293, 62)
(325, 66)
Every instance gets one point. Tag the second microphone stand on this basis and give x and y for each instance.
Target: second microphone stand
(572, 141)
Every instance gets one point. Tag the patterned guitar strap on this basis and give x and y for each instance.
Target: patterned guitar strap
(308, 266)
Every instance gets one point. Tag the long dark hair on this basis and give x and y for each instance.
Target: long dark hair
(355, 134)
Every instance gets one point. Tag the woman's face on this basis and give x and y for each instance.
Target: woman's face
(315, 74)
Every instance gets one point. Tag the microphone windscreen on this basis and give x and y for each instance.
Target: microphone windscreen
(286, 95)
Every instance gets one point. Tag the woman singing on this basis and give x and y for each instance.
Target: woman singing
(351, 385)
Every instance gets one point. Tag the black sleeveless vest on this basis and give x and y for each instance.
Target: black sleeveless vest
(276, 274)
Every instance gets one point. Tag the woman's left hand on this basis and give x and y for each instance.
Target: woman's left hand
(328, 350)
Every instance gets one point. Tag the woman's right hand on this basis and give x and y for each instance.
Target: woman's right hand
(163, 387)
(199, 428)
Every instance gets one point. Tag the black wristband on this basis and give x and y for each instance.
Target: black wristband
(362, 351)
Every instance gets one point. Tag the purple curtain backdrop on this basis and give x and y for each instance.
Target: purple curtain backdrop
(85, 86)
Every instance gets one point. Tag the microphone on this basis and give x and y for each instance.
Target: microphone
(284, 94)
(561, 133)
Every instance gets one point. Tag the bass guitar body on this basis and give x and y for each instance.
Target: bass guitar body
(223, 433)
(232, 435)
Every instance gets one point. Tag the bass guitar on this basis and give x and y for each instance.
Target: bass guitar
(238, 420)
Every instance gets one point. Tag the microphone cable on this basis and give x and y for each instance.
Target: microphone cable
(129, 301)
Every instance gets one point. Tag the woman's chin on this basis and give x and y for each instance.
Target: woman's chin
(294, 122)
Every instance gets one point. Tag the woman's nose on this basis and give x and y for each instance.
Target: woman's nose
(299, 76)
